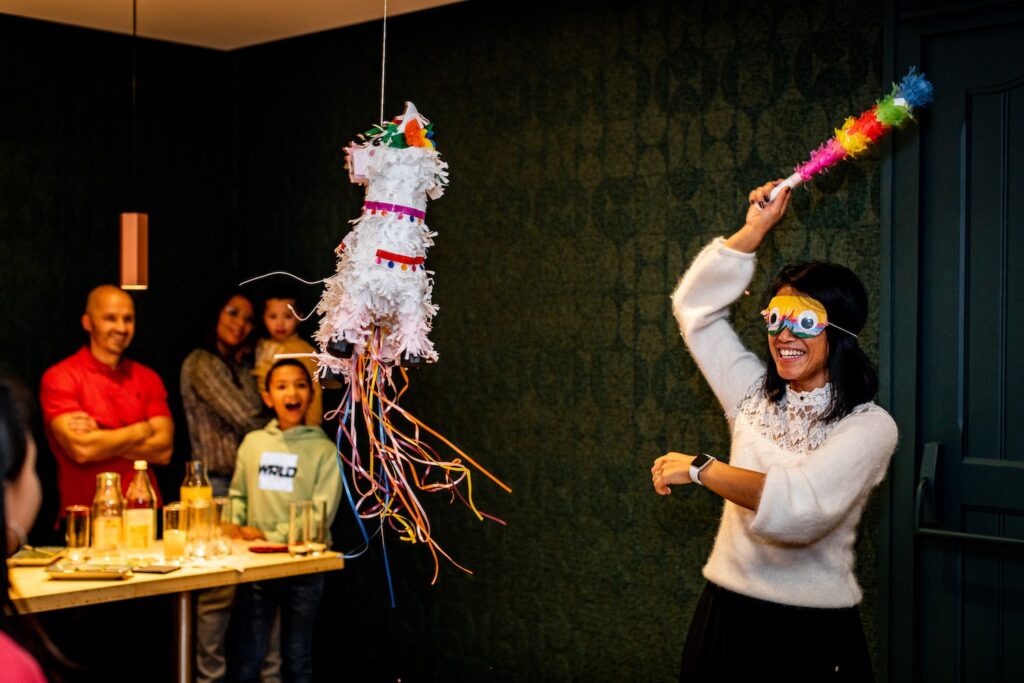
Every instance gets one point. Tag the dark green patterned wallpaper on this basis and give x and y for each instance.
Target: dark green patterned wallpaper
(593, 148)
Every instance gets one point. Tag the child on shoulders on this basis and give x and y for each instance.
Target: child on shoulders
(260, 496)
(280, 323)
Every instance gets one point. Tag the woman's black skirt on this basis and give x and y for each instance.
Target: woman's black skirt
(732, 635)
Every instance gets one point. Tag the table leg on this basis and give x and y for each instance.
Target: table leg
(184, 618)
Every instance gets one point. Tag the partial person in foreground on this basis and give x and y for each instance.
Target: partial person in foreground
(22, 495)
(808, 446)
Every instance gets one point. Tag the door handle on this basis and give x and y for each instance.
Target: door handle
(926, 510)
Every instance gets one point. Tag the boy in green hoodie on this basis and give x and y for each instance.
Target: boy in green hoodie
(285, 461)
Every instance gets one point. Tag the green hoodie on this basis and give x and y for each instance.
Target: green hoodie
(275, 468)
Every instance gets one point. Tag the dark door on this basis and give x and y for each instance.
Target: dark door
(956, 355)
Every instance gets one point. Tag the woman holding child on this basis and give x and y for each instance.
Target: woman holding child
(808, 446)
(219, 392)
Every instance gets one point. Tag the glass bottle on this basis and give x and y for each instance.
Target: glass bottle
(108, 520)
(197, 499)
(196, 484)
(140, 515)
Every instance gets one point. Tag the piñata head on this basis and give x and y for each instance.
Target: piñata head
(378, 300)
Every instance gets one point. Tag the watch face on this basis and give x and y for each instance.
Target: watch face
(701, 460)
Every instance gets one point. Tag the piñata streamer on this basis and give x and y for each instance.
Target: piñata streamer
(857, 134)
(397, 462)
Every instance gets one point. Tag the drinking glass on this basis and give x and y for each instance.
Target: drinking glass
(300, 523)
(318, 527)
(200, 527)
(175, 533)
(220, 536)
(76, 536)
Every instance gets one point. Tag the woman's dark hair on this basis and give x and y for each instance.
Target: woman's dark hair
(280, 364)
(212, 319)
(850, 372)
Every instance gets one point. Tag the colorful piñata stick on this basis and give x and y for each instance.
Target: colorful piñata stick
(892, 111)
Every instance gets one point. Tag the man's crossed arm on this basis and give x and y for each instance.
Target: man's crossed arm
(84, 441)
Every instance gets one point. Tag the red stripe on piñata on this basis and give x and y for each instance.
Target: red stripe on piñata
(399, 258)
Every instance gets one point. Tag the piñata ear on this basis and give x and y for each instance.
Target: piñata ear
(410, 114)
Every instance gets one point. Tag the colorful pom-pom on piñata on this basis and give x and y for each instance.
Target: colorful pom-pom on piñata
(857, 134)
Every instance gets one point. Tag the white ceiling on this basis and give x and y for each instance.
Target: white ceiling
(219, 24)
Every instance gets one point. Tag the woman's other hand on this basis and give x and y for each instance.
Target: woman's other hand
(671, 468)
(762, 217)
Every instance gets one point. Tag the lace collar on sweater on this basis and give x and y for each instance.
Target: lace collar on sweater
(794, 423)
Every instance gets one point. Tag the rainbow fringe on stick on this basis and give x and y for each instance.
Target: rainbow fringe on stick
(857, 134)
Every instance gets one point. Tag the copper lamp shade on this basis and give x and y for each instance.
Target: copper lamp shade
(134, 251)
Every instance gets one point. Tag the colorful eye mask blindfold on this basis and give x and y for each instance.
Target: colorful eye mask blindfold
(804, 316)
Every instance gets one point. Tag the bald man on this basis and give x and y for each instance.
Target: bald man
(103, 411)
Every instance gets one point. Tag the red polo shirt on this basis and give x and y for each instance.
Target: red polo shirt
(115, 398)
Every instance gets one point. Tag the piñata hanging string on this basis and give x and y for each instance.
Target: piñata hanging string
(857, 134)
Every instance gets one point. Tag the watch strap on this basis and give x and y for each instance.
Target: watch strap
(698, 465)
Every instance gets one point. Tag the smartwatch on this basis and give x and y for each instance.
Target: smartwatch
(698, 465)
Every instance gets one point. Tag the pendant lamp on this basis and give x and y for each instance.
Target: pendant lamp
(134, 225)
(134, 251)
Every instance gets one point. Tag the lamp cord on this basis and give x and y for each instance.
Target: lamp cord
(383, 60)
(134, 88)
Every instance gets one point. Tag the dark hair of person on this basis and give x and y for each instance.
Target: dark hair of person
(850, 372)
(280, 364)
(15, 428)
(284, 291)
(212, 319)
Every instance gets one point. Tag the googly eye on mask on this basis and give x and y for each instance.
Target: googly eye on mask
(803, 316)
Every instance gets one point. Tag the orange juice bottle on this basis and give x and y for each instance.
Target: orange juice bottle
(196, 485)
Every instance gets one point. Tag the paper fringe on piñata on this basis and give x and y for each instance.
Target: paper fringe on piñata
(376, 313)
(857, 134)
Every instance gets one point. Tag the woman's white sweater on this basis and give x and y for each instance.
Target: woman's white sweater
(797, 549)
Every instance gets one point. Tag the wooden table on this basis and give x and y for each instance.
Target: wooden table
(33, 591)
